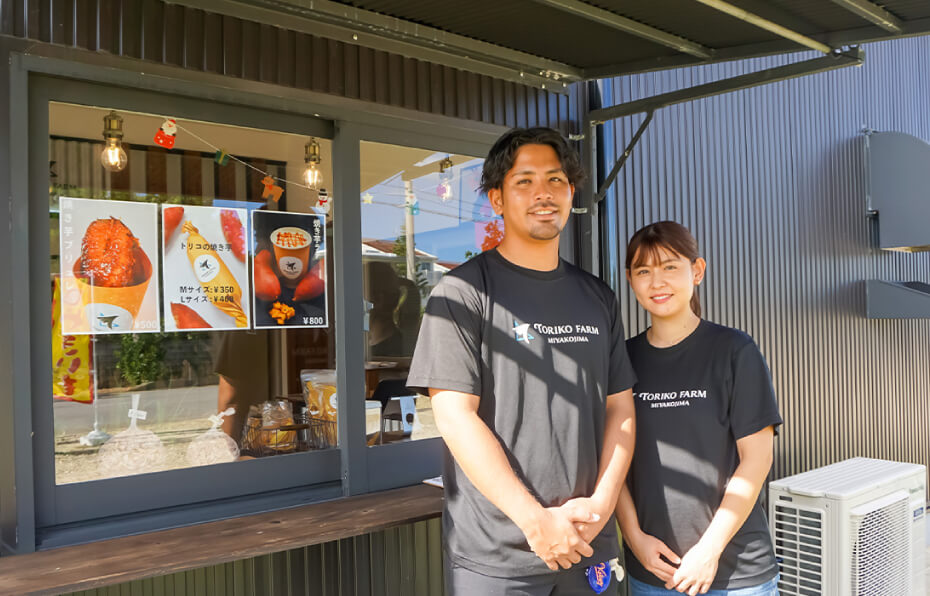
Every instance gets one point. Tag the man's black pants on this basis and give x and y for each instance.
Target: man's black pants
(460, 581)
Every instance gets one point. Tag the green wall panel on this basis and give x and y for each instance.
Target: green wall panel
(401, 561)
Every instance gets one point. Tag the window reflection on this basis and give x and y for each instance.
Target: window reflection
(390, 297)
(422, 216)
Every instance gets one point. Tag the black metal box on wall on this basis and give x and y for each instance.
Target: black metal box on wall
(899, 190)
(898, 168)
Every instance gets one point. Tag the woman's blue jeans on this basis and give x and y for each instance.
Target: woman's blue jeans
(769, 588)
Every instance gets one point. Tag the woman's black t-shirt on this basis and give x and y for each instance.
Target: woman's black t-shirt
(693, 401)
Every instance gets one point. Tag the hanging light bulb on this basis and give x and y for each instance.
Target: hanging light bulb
(113, 157)
(312, 175)
(445, 179)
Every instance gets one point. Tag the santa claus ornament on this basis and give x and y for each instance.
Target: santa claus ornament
(166, 134)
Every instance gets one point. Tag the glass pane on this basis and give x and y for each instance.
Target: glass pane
(190, 295)
(422, 216)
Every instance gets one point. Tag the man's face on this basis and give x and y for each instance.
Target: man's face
(535, 197)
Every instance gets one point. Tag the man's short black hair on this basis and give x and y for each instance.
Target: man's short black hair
(501, 157)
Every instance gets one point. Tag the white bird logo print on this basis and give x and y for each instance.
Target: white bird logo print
(522, 332)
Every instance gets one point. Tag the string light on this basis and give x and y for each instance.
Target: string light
(445, 179)
(238, 160)
(113, 157)
(312, 175)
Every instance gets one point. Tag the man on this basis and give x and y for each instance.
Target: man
(524, 358)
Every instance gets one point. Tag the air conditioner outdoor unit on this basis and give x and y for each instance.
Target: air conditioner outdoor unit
(856, 527)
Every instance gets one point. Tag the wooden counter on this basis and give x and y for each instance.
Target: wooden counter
(119, 560)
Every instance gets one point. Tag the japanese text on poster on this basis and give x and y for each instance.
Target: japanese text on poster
(205, 272)
(289, 270)
(72, 358)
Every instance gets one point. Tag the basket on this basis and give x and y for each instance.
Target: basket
(305, 434)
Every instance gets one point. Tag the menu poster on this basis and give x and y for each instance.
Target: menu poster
(107, 250)
(205, 273)
(289, 270)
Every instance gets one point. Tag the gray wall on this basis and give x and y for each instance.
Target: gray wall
(771, 181)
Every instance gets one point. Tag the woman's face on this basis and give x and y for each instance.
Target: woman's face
(664, 288)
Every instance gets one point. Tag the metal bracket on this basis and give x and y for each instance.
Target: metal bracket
(853, 56)
(623, 157)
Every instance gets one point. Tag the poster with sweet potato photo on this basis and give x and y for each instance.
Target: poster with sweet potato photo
(205, 273)
(109, 260)
(289, 269)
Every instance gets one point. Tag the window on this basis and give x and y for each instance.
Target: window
(422, 216)
(192, 305)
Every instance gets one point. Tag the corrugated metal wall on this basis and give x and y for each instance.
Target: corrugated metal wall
(402, 561)
(201, 41)
(771, 181)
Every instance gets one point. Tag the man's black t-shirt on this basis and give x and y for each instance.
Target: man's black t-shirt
(693, 401)
(542, 350)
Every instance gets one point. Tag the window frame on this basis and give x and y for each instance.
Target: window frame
(38, 513)
(382, 467)
(76, 502)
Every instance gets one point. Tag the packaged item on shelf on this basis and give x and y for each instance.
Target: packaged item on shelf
(277, 416)
(214, 446)
(252, 432)
(319, 388)
(330, 403)
(132, 451)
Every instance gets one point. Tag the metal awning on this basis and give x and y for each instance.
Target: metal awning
(554, 42)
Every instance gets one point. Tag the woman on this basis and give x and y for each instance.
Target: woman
(705, 421)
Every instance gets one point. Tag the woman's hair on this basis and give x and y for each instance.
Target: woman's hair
(669, 235)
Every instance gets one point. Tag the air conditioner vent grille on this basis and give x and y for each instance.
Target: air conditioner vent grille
(881, 550)
(799, 535)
